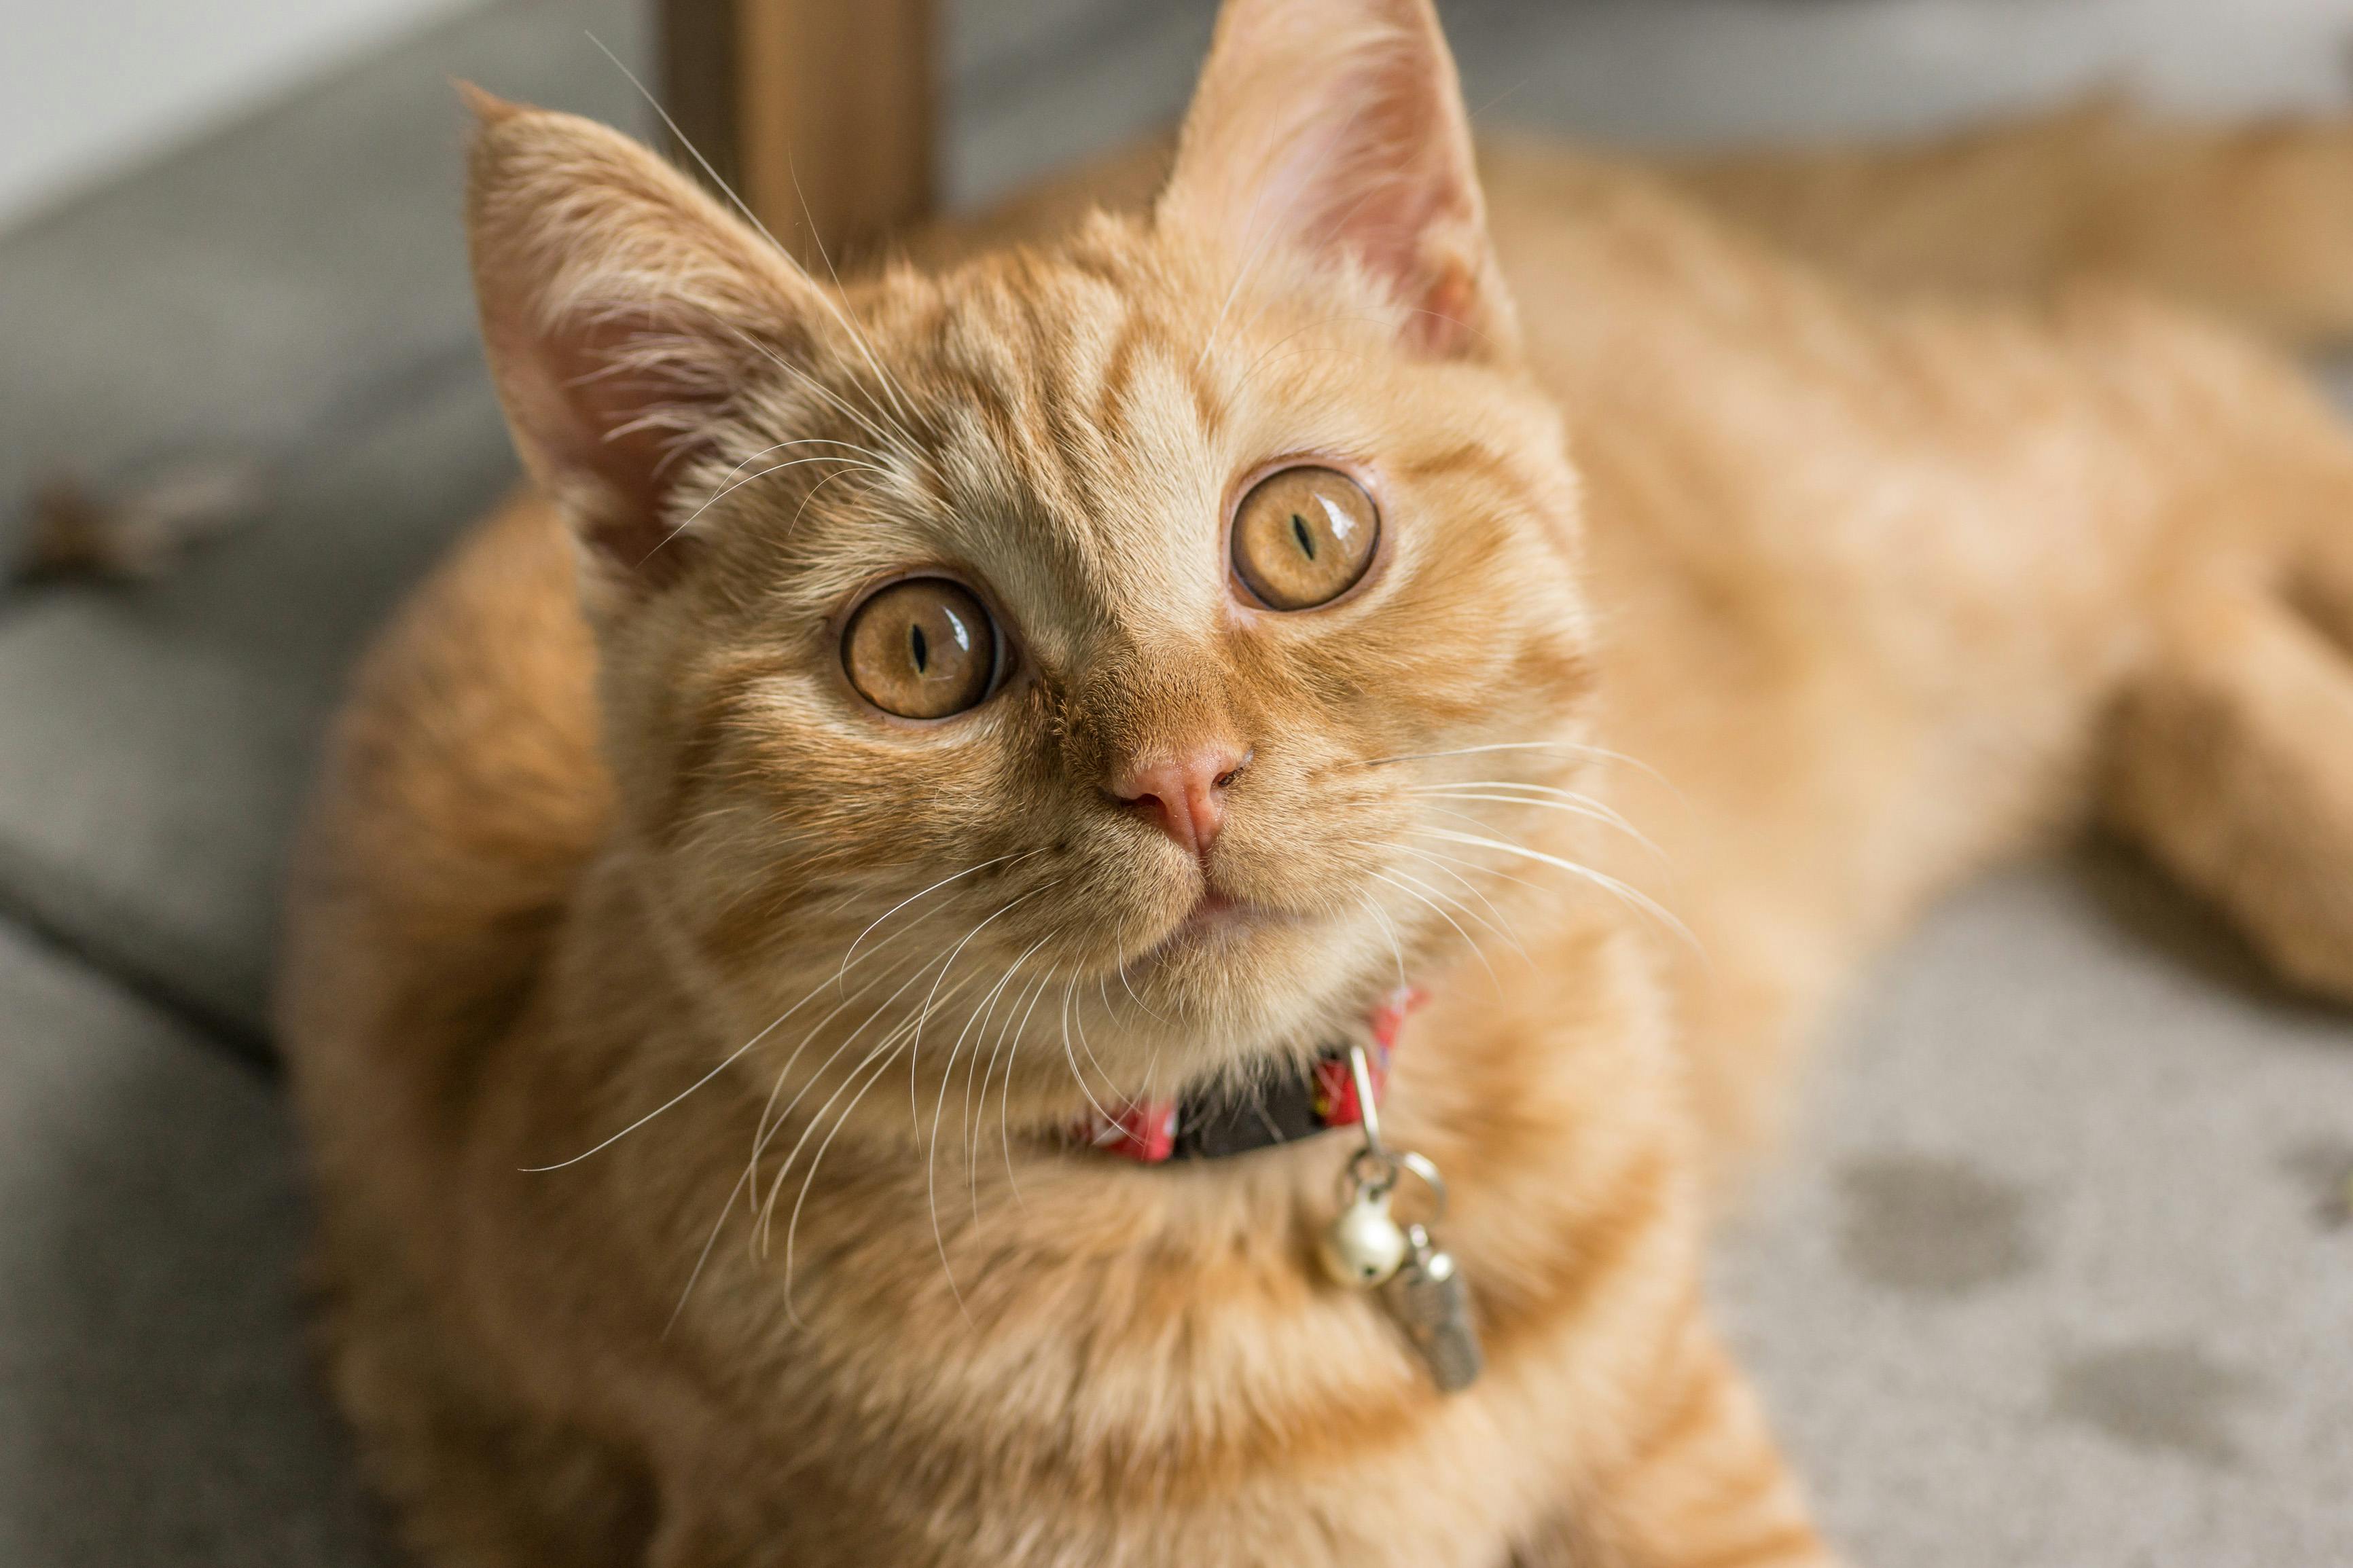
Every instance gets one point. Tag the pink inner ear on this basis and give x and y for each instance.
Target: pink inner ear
(611, 408)
(628, 426)
(624, 312)
(1443, 327)
(1400, 193)
(1390, 181)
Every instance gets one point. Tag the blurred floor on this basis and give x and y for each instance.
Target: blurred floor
(2053, 1277)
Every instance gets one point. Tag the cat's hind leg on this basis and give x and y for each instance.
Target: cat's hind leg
(2251, 221)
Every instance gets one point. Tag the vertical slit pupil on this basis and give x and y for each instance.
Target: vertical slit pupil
(921, 647)
(1299, 531)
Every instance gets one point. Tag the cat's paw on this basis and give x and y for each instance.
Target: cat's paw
(2233, 759)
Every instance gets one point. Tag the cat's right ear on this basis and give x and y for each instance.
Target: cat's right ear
(624, 312)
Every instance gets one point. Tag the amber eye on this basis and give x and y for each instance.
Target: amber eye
(921, 649)
(1304, 536)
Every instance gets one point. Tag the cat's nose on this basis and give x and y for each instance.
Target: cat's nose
(1185, 792)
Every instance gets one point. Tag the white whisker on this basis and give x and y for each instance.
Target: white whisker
(769, 1131)
(1485, 870)
(793, 1226)
(730, 489)
(1005, 1092)
(724, 1063)
(1530, 794)
(1479, 952)
(1589, 811)
(841, 311)
(913, 1108)
(969, 1119)
(1396, 950)
(1468, 913)
(764, 1132)
(838, 308)
(838, 404)
(1630, 895)
(1578, 748)
(977, 1018)
(750, 1176)
(851, 950)
(1068, 991)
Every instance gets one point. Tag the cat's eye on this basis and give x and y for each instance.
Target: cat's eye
(1304, 536)
(921, 649)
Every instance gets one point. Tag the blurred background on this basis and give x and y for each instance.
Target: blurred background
(2059, 1270)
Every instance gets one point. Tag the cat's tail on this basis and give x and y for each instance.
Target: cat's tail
(2254, 220)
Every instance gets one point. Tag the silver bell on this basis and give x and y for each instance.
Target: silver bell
(1365, 1246)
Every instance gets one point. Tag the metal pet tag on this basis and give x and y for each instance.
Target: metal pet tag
(1431, 1302)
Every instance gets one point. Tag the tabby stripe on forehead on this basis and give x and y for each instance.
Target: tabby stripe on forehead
(1119, 371)
(1057, 374)
(1018, 377)
(1474, 458)
(1207, 407)
(987, 398)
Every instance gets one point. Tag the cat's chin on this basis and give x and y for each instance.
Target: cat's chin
(1235, 967)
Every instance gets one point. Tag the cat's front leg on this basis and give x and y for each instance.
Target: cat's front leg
(1704, 1483)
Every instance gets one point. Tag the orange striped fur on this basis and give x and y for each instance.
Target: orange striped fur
(683, 1043)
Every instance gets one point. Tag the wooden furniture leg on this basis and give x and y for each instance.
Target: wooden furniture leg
(820, 114)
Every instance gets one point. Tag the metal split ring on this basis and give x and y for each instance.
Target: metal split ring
(1368, 1110)
(1378, 1170)
(1387, 1165)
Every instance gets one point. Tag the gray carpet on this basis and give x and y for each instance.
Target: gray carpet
(2059, 1272)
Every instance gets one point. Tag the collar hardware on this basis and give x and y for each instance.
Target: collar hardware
(1320, 1097)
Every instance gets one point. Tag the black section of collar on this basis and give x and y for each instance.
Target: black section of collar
(1244, 1121)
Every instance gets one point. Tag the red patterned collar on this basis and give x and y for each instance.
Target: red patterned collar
(1211, 1126)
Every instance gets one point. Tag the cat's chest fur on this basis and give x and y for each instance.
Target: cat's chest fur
(1074, 1312)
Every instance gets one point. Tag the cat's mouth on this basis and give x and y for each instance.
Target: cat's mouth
(1216, 917)
(1215, 910)
(1219, 913)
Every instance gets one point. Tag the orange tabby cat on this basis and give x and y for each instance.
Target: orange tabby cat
(1062, 679)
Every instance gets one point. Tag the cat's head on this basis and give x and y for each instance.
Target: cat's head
(1089, 629)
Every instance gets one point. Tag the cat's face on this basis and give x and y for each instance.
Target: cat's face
(1051, 655)
(1042, 558)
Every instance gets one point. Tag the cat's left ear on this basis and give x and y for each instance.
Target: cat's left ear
(1334, 130)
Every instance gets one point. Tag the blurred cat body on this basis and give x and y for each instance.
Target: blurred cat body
(1872, 590)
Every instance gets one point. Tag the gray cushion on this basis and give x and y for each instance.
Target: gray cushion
(294, 288)
(157, 739)
(274, 287)
(2057, 1270)
(155, 1405)
(1710, 70)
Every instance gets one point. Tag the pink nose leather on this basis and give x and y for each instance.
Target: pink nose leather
(1186, 794)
